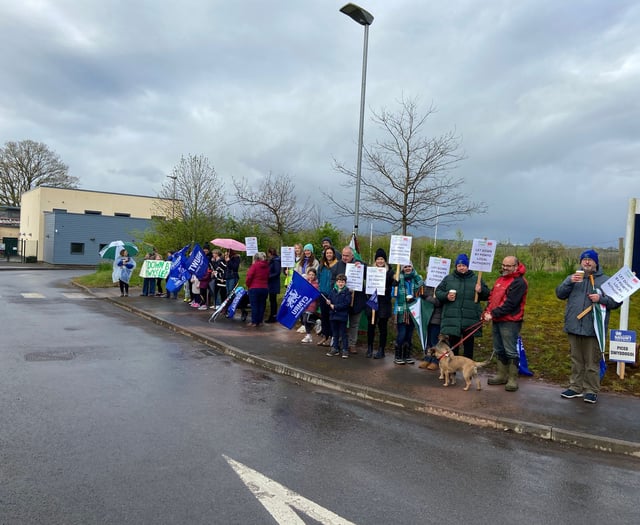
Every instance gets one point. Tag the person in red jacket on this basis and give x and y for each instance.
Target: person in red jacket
(506, 310)
(258, 285)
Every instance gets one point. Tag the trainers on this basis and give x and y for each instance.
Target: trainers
(591, 398)
(409, 360)
(399, 361)
(331, 353)
(307, 339)
(345, 355)
(203, 307)
(570, 394)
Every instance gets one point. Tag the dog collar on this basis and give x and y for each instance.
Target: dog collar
(446, 354)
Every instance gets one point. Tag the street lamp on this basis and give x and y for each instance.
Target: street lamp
(173, 200)
(365, 19)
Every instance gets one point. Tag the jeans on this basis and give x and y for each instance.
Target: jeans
(148, 286)
(405, 334)
(231, 284)
(258, 302)
(505, 339)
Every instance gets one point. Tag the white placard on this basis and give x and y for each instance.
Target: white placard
(355, 276)
(482, 253)
(400, 250)
(622, 346)
(376, 280)
(287, 257)
(252, 245)
(622, 285)
(438, 269)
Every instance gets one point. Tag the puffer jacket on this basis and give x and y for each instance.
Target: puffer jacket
(508, 297)
(464, 311)
(577, 297)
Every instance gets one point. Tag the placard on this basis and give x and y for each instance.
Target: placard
(482, 253)
(400, 250)
(355, 276)
(437, 270)
(623, 284)
(155, 269)
(622, 346)
(287, 257)
(252, 245)
(376, 280)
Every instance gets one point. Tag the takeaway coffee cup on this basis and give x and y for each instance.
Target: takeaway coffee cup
(454, 294)
(579, 276)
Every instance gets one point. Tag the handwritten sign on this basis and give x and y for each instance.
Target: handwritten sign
(482, 253)
(622, 285)
(355, 276)
(400, 250)
(437, 270)
(155, 269)
(287, 257)
(252, 245)
(376, 280)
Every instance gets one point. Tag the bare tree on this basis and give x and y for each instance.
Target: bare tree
(273, 204)
(407, 182)
(27, 164)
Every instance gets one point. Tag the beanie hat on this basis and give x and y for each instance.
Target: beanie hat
(308, 247)
(590, 254)
(462, 259)
(326, 239)
(380, 253)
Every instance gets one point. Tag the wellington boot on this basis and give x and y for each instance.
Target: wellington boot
(501, 377)
(512, 383)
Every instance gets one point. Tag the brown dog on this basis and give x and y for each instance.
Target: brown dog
(450, 364)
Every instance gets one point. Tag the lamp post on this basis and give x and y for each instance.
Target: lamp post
(174, 178)
(365, 19)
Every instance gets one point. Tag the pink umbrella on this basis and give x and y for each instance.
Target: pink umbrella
(230, 244)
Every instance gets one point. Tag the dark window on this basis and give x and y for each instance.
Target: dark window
(77, 248)
(92, 212)
(59, 210)
(117, 214)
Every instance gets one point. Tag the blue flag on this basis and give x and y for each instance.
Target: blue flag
(178, 274)
(197, 263)
(240, 292)
(523, 367)
(373, 300)
(298, 296)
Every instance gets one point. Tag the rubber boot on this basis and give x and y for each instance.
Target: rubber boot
(369, 350)
(379, 354)
(512, 383)
(501, 377)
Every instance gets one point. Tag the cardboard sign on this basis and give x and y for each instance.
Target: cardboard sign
(355, 276)
(482, 253)
(287, 257)
(376, 280)
(622, 285)
(400, 250)
(155, 269)
(438, 269)
(252, 245)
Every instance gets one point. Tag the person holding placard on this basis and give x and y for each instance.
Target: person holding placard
(583, 293)
(460, 311)
(379, 317)
(358, 298)
(407, 287)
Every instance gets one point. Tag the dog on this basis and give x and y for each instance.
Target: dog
(450, 364)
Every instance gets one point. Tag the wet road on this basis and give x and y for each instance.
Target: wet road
(107, 418)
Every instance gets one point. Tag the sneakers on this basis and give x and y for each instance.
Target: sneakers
(345, 355)
(331, 353)
(570, 394)
(399, 361)
(307, 339)
(409, 360)
(203, 307)
(591, 398)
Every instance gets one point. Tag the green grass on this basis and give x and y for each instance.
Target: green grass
(545, 342)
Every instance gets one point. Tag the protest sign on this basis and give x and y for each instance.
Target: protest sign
(252, 245)
(376, 280)
(437, 270)
(355, 276)
(155, 269)
(482, 253)
(400, 250)
(623, 284)
(287, 257)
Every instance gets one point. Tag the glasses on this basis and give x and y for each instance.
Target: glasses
(508, 265)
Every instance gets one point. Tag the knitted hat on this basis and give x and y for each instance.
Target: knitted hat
(308, 247)
(380, 253)
(590, 254)
(462, 259)
(328, 239)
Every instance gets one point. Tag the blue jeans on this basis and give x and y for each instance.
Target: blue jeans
(258, 302)
(148, 286)
(231, 284)
(405, 334)
(505, 339)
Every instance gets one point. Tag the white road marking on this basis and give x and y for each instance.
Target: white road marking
(75, 295)
(279, 500)
(32, 295)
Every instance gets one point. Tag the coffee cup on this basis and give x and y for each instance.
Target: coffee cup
(579, 276)
(453, 292)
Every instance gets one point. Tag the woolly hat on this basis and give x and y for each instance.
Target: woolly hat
(308, 247)
(326, 239)
(462, 259)
(590, 254)
(380, 253)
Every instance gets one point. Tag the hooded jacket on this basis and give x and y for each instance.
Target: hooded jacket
(464, 311)
(508, 297)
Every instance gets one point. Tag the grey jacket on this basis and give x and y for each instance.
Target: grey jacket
(577, 295)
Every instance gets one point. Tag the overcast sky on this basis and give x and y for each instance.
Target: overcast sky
(545, 95)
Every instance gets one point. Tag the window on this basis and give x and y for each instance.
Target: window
(77, 248)
(118, 214)
(92, 212)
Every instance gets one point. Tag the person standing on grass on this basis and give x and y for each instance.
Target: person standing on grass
(506, 310)
(583, 293)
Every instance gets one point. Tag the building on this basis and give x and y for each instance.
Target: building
(9, 230)
(70, 226)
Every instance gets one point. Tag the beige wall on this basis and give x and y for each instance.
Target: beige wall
(38, 200)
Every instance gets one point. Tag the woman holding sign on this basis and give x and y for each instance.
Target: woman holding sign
(378, 309)
(460, 311)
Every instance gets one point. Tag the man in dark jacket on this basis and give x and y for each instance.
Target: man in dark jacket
(359, 298)
(583, 293)
(506, 310)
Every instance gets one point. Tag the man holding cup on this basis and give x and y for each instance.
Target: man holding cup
(582, 291)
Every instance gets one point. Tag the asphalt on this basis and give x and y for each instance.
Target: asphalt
(536, 409)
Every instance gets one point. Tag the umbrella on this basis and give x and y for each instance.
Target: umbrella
(600, 326)
(112, 250)
(230, 244)
(421, 311)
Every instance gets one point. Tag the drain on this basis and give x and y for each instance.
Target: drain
(49, 356)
